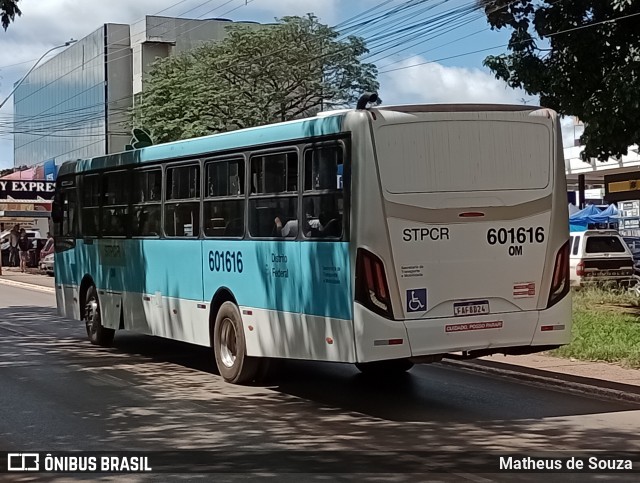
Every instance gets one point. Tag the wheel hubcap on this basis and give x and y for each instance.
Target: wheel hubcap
(92, 316)
(228, 343)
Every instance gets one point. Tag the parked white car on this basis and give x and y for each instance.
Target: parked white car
(600, 256)
(46, 264)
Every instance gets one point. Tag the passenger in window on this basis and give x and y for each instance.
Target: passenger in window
(150, 228)
(330, 225)
(288, 229)
(116, 227)
(155, 191)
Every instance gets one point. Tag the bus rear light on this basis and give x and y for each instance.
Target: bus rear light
(560, 280)
(580, 269)
(372, 289)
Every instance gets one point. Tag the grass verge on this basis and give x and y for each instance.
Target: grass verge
(606, 327)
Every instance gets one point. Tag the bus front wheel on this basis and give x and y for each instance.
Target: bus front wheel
(385, 368)
(230, 348)
(97, 333)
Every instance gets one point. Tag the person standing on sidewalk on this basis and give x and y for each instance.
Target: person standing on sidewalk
(14, 235)
(24, 244)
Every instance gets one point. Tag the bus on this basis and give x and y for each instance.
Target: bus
(381, 236)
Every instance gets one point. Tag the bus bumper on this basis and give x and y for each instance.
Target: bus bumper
(378, 338)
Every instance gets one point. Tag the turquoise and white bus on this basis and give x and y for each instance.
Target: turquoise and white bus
(382, 236)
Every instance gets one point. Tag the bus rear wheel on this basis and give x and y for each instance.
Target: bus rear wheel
(97, 333)
(385, 368)
(230, 348)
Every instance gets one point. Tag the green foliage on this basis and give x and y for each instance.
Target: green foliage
(255, 76)
(8, 11)
(606, 327)
(592, 73)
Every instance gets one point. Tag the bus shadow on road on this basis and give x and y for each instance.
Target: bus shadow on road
(426, 393)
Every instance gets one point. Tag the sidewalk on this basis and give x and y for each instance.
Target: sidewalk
(573, 367)
(600, 379)
(33, 278)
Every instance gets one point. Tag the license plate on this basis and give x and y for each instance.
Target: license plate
(478, 307)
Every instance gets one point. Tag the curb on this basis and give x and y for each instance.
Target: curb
(565, 382)
(29, 286)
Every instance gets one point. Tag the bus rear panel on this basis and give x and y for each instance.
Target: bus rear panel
(472, 234)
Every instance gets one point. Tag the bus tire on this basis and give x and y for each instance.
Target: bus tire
(97, 333)
(230, 348)
(385, 368)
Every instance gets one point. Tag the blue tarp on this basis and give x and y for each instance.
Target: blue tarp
(591, 215)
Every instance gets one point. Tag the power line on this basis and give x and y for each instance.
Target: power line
(506, 45)
(25, 122)
(102, 53)
(386, 15)
(115, 42)
(112, 53)
(476, 51)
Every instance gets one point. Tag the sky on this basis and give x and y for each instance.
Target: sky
(425, 68)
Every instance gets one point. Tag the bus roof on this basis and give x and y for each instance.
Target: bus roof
(458, 108)
(255, 136)
(325, 123)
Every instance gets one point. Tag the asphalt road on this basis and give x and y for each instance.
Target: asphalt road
(59, 393)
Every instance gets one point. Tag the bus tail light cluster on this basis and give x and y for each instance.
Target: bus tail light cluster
(372, 290)
(560, 282)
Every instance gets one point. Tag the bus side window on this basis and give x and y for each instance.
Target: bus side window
(115, 203)
(224, 198)
(147, 193)
(69, 225)
(66, 224)
(90, 202)
(323, 201)
(273, 203)
(182, 204)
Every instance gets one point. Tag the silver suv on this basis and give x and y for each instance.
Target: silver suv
(599, 256)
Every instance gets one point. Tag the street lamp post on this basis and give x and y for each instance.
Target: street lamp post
(66, 44)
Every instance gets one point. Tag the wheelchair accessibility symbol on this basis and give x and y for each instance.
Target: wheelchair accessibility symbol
(417, 300)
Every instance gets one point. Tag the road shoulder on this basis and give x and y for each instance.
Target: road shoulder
(592, 378)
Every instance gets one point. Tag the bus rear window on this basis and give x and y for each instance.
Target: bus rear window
(604, 244)
(463, 156)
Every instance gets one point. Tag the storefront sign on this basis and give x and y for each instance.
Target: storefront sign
(27, 190)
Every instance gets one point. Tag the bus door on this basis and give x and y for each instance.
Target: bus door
(64, 214)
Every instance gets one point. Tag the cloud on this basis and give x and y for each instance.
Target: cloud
(437, 83)
(326, 10)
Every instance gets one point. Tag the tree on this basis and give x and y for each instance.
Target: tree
(256, 75)
(8, 11)
(582, 58)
